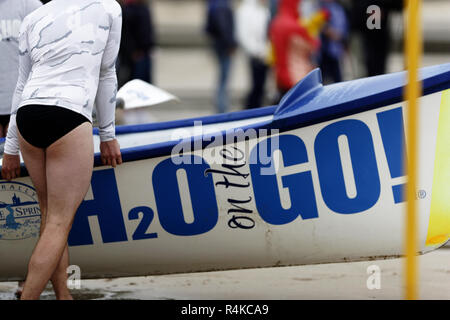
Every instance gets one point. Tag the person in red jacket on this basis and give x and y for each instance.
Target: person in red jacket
(292, 45)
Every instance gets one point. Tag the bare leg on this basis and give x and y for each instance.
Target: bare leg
(20, 284)
(19, 289)
(59, 277)
(2, 131)
(69, 163)
(35, 160)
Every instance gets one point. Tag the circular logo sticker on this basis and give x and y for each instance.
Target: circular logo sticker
(20, 216)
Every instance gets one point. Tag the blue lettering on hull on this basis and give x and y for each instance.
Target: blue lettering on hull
(196, 177)
(106, 206)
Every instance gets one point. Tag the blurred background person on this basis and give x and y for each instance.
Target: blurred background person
(12, 13)
(293, 46)
(252, 21)
(221, 30)
(273, 7)
(308, 8)
(376, 42)
(333, 41)
(138, 41)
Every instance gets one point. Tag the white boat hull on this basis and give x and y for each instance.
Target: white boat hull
(334, 194)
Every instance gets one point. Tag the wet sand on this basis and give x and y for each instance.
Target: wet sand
(326, 281)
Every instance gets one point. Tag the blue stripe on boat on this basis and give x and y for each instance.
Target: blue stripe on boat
(308, 103)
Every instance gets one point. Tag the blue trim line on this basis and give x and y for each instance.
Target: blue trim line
(309, 102)
(323, 103)
(165, 148)
(216, 118)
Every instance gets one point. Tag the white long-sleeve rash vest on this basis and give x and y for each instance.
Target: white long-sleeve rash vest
(68, 50)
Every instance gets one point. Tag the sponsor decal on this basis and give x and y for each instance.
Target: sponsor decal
(272, 181)
(20, 216)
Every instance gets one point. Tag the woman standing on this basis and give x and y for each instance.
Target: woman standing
(67, 63)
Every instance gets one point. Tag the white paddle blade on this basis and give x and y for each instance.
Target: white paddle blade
(140, 94)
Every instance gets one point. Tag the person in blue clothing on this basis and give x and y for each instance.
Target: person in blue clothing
(273, 7)
(333, 38)
(220, 27)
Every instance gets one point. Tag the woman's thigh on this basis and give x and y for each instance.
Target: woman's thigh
(34, 159)
(69, 165)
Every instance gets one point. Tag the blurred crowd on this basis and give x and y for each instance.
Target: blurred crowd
(283, 39)
(289, 38)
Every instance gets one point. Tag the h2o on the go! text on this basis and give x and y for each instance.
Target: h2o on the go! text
(202, 190)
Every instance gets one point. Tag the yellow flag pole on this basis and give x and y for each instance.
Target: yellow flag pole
(413, 92)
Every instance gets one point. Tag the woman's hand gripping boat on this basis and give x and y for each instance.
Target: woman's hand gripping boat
(317, 179)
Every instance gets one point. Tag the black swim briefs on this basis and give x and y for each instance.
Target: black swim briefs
(42, 125)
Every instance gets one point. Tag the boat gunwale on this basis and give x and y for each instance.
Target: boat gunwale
(304, 118)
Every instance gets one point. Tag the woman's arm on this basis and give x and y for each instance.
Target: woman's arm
(106, 95)
(105, 100)
(11, 158)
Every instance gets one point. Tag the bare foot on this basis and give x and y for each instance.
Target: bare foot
(19, 290)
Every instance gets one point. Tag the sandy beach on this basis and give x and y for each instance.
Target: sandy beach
(327, 281)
